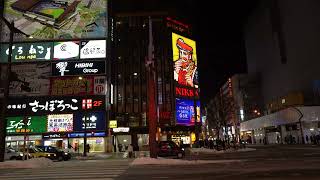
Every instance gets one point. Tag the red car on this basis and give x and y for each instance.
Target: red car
(169, 148)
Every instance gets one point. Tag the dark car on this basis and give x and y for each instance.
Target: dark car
(60, 154)
(169, 148)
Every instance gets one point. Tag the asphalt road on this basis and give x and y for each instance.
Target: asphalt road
(267, 162)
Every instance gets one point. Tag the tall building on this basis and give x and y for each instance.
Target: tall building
(281, 45)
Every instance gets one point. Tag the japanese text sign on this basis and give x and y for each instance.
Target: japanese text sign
(78, 68)
(34, 124)
(96, 121)
(60, 123)
(27, 52)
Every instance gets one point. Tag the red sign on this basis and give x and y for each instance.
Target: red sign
(89, 103)
(185, 92)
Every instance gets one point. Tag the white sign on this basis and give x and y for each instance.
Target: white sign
(51, 105)
(91, 122)
(21, 138)
(66, 50)
(121, 129)
(93, 49)
(60, 123)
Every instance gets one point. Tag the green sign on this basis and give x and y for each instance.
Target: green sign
(35, 124)
(23, 52)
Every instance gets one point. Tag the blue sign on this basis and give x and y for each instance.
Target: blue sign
(95, 134)
(96, 121)
(185, 112)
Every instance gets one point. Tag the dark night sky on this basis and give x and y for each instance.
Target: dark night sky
(220, 45)
(217, 28)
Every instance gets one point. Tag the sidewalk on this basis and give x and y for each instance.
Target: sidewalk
(112, 155)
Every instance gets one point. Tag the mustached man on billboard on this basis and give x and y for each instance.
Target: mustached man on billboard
(184, 55)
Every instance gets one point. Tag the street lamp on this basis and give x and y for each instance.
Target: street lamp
(12, 30)
(85, 117)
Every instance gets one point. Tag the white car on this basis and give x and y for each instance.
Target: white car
(12, 154)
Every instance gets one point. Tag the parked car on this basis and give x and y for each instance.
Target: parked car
(169, 148)
(60, 154)
(12, 154)
(37, 153)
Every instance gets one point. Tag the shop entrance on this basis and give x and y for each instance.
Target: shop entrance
(122, 142)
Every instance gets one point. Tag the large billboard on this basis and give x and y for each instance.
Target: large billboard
(54, 104)
(58, 19)
(185, 114)
(34, 124)
(185, 61)
(78, 68)
(35, 76)
(62, 86)
(96, 121)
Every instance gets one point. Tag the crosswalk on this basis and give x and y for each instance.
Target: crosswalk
(88, 169)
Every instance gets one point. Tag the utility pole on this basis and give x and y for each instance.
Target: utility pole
(85, 116)
(152, 114)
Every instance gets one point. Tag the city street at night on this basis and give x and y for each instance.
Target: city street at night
(267, 162)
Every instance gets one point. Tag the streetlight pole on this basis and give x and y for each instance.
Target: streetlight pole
(85, 117)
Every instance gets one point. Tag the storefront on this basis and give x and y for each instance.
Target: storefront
(96, 141)
(17, 142)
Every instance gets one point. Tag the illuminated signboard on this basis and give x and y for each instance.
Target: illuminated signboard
(78, 68)
(34, 124)
(66, 50)
(25, 52)
(96, 121)
(93, 49)
(186, 92)
(57, 19)
(60, 123)
(35, 76)
(185, 112)
(113, 124)
(121, 129)
(46, 105)
(185, 60)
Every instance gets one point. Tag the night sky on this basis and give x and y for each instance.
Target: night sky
(217, 29)
(220, 43)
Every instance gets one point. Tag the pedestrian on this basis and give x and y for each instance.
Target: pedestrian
(88, 148)
(307, 139)
(130, 150)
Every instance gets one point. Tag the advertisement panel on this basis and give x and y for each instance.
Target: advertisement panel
(51, 104)
(93, 49)
(57, 19)
(185, 61)
(78, 68)
(25, 52)
(64, 86)
(60, 123)
(34, 76)
(185, 111)
(35, 124)
(66, 50)
(96, 121)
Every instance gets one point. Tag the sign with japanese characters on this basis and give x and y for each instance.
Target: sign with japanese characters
(66, 50)
(33, 75)
(50, 105)
(96, 121)
(185, 112)
(60, 123)
(63, 86)
(78, 68)
(25, 52)
(34, 124)
(113, 124)
(93, 49)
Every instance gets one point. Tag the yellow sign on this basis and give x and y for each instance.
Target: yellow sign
(185, 60)
(193, 137)
(113, 124)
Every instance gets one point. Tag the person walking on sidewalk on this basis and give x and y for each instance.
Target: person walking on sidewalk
(130, 150)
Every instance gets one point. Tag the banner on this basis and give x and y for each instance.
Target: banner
(96, 121)
(51, 104)
(93, 49)
(185, 114)
(35, 124)
(34, 76)
(26, 52)
(60, 123)
(78, 68)
(63, 86)
(57, 19)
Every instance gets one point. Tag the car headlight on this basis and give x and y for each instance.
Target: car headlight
(49, 154)
(182, 149)
(65, 153)
(21, 154)
(54, 155)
